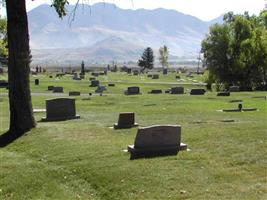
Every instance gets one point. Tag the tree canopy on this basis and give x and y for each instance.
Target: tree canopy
(147, 59)
(164, 56)
(235, 52)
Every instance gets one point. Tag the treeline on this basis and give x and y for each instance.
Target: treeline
(235, 52)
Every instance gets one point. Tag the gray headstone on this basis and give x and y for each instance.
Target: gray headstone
(58, 89)
(50, 88)
(100, 89)
(3, 84)
(177, 90)
(60, 109)
(94, 83)
(126, 120)
(197, 92)
(132, 90)
(36, 81)
(156, 91)
(157, 140)
(165, 71)
(155, 76)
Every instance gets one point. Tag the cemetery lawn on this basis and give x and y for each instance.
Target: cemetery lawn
(84, 158)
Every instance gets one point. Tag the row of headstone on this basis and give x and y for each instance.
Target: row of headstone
(3, 84)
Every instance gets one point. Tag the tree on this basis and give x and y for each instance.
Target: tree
(163, 56)
(235, 52)
(3, 38)
(20, 104)
(147, 59)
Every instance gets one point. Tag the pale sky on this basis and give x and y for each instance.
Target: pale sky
(203, 9)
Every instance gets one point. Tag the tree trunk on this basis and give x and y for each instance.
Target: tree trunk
(21, 113)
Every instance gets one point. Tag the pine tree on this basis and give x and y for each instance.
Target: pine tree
(147, 59)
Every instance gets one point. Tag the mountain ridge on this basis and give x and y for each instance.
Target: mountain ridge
(137, 29)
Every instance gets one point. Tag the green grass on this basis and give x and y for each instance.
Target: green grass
(84, 159)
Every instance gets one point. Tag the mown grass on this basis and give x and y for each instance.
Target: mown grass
(84, 159)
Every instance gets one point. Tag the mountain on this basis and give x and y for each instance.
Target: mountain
(104, 32)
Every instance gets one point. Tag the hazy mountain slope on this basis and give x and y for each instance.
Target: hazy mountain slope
(94, 27)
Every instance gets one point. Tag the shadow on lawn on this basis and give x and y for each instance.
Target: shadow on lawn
(9, 137)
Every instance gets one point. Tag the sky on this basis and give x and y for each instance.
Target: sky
(203, 9)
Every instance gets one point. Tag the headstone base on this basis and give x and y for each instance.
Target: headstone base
(154, 152)
(116, 126)
(44, 119)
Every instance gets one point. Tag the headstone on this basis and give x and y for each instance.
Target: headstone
(165, 71)
(111, 85)
(100, 89)
(3, 84)
(1, 70)
(129, 71)
(197, 92)
(167, 91)
(234, 89)
(50, 88)
(58, 90)
(94, 83)
(74, 93)
(105, 72)
(135, 72)
(36, 81)
(177, 90)
(157, 141)
(156, 91)
(81, 76)
(126, 120)
(95, 74)
(132, 90)
(223, 94)
(155, 76)
(60, 109)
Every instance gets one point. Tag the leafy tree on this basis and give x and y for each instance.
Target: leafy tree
(235, 52)
(163, 56)
(3, 38)
(147, 59)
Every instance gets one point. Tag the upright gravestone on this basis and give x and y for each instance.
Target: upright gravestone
(129, 71)
(60, 109)
(94, 83)
(58, 89)
(126, 120)
(197, 92)
(135, 72)
(36, 81)
(132, 90)
(165, 71)
(3, 84)
(156, 91)
(100, 89)
(177, 90)
(157, 141)
(155, 76)
(50, 88)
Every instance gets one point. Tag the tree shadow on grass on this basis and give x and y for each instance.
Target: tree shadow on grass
(9, 137)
